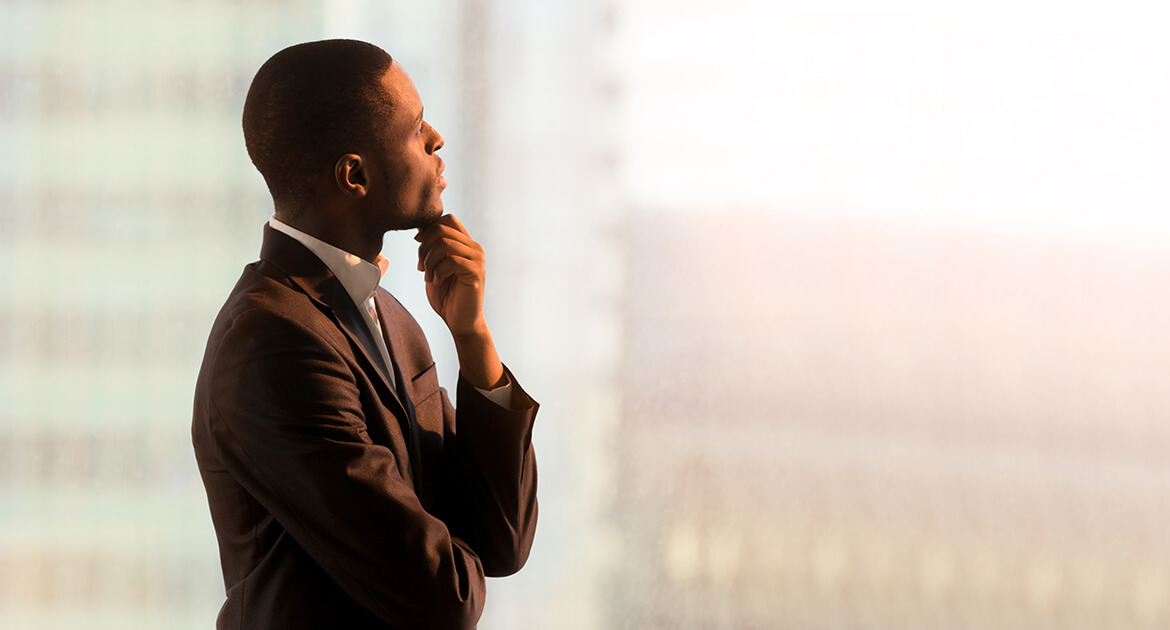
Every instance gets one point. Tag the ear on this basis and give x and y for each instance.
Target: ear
(350, 175)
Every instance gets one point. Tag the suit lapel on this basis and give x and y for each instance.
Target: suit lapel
(394, 339)
(315, 279)
(354, 325)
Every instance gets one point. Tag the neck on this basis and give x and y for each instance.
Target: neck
(346, 235)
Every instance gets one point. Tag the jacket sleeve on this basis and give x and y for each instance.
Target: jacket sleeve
(491, 476)
(295, 437)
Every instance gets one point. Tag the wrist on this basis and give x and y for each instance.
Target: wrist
(477, 333)
(479, 364)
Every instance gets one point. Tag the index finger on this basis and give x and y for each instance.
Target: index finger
(448, 220)
(454, 222)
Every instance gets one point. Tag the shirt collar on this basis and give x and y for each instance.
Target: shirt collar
(359, 277)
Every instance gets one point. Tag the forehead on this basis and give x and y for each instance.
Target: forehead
(407, 102)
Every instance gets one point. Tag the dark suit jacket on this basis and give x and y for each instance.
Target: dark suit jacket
(338, 501)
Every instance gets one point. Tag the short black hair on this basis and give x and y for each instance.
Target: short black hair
(310, 104)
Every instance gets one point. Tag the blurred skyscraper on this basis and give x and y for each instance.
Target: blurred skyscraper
(127, 207)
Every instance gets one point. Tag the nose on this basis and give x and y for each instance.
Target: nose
(436, 140)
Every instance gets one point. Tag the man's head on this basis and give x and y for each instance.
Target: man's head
(338, 123)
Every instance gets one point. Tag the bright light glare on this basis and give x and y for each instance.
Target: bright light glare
(1036, 116)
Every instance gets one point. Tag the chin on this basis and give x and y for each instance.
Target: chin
(415, 221)
(431, 216)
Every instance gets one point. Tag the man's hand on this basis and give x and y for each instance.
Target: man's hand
(454, 268)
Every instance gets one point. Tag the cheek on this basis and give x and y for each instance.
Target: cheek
(413, 176)
(423, 173)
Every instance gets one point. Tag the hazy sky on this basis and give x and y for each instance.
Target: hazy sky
(1033, 116)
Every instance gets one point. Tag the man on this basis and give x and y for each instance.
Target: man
(345, 489)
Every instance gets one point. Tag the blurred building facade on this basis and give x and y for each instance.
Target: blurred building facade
(127, 208)
(841, 425)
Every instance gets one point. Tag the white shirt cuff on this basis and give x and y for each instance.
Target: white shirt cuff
(501, 395)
